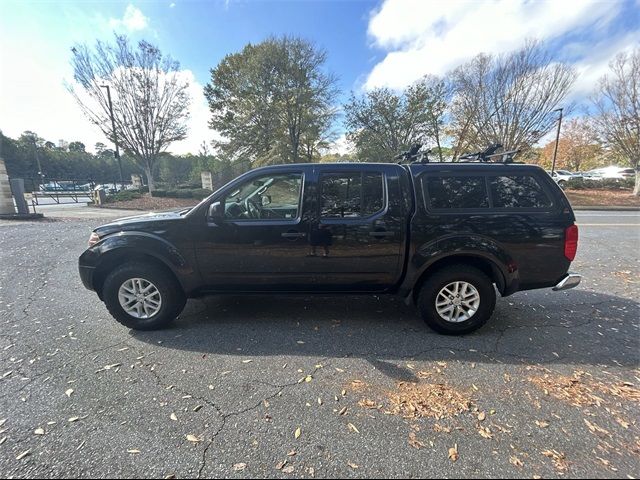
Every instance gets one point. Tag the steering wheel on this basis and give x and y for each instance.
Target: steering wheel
(252, 209)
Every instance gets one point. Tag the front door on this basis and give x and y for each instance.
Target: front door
(261, 244)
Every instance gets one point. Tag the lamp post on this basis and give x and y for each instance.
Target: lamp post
(555, 150)
(113, 129)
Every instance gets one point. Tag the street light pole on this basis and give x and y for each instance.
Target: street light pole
(113, 129)
(35, 152)
(555, 150)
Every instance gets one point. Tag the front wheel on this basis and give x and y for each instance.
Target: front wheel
(457, 300)
(143, 296)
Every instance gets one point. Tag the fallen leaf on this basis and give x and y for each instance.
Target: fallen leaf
(247, 361)
(353, 465)
(23, 454)
(174, 417)
(414, 442)
(239, 467)
(622, 422)
(485, 432)
(516, 461)
(353, 427)
(595, 428)
(288, 469)
(74, 419)
(193, 438)
(2, 440)
(3, 421)
(343, 411)
(482, 416)
(197, 408)
(281, 465)
(133, 451)
(292, 453)
(542, 424)
(39, 431)
(298, 433)
(69, 392)
(453, 453)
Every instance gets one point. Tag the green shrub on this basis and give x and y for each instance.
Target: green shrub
(604, 184)
(195, 193)
(123, 196)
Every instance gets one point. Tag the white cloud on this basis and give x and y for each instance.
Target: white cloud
(595, 63)
(133, 20)
(341, 146)
(172, 5)
(199, 130)
(431, 36)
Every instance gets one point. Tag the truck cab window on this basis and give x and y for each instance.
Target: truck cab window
(269, 197)
(351, 195)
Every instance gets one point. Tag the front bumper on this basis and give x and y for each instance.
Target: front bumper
(570, 280)
(86, 275)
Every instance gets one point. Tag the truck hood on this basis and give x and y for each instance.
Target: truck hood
(148, 221)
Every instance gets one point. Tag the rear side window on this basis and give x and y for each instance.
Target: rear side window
(455, 192)
(351, 195)
(518, 191)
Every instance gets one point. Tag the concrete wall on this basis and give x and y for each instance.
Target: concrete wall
(6, 200)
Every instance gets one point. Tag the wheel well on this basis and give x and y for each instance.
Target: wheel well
(484, 265)
(115, 258)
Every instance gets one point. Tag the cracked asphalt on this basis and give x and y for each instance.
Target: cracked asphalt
(223, 392)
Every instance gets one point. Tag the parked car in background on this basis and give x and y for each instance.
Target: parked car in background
(611, 172)
(113, 188)
(563, 177)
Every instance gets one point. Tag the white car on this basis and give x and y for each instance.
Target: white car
(562, 177)
(612, 172)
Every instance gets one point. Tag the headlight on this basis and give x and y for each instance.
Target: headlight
(93, 239)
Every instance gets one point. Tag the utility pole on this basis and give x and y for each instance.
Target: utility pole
(113, 129)
(35, 151)
(555, 150)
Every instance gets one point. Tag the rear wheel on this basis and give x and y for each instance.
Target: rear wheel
(457, 300)
(143, 296)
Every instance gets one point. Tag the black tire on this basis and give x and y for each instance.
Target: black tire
(455, 273)
(562, 184)
(171, 294)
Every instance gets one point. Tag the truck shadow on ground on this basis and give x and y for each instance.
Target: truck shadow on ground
(541, 327)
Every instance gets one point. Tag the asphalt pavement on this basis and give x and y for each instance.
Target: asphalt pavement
(272, 386)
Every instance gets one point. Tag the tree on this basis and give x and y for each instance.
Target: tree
(149, 95)
(76, 147)
(578, 148)
(272, 102)
(381, 123)
(507, 99)
(617, 109)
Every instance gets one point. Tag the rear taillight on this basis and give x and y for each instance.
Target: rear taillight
(571, 242)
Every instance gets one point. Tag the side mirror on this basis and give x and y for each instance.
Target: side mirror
(216, 212)
(266, 200)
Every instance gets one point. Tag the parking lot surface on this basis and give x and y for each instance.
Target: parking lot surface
(272, 386)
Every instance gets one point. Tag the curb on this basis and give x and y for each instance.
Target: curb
(22, 216)
(607, 208)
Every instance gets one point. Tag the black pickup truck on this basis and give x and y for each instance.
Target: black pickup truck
(445, 236)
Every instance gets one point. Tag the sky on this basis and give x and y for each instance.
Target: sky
(369, 44)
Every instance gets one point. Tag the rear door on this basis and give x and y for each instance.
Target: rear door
(356, 241)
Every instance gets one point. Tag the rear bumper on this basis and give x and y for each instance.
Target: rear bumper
(570, 280)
